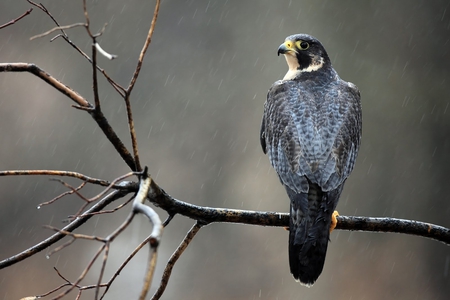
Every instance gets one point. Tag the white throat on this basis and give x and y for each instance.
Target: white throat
(294, 66)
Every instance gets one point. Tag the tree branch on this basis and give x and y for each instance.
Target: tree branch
(133, 82)
(56, 173)
(211, 215)
(16, 19)
(69, 228)
(174, 258)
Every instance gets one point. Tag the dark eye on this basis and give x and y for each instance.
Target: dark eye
(304, 45)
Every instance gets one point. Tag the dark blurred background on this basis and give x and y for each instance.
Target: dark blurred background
(197, 107)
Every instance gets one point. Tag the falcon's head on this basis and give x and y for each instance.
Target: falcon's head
(303, 53)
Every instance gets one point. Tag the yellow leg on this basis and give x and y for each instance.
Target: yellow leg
(333, 220)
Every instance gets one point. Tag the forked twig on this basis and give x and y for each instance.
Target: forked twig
(56, 29)
(114, 84)
(133, 82)
(117, 194)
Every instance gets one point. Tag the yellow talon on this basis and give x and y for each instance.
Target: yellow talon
(333, 220)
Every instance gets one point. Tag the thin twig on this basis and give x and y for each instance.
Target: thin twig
(56, 29)
(59, 248)
(70, 227)
(57, 173)
(76, 235)
(35, 70)
(150, 271)
(114, 84)
(133, 82)
(62, 195)
(122, 266)
(83, 274)
(173, 259)
(144, 48)
(97, 115)
(109, 211)
(16, 19)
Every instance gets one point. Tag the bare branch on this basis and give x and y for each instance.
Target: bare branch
(59, 248)
(210, 215)
(115, 85)
(173, 259)
(133, 82)
(62, 195)
(35, 70)
(144, 48)
(155, 236)
(56, 29)
(150, 271)
(16, 19)
(76, 235)
(116, 274)
(79, 100)
(70, 227)
(394, 225)
(139, 207)
(57, 173)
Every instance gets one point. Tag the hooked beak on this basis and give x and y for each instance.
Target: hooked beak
(286, 47)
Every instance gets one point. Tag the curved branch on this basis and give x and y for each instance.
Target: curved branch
(174, 258)
(133, 82)
(97, 115)
(411, 227)
(16, 19)
(35, 70)
(56, 173)
(210, 215)
(69, 228)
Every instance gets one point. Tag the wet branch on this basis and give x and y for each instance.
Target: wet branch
(16, 19)
(81, 103)
(174, 258)
(209, 215)
(69, 228)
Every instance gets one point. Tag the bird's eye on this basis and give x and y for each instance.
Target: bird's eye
(303, 45)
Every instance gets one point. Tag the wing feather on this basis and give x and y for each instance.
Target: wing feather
(312, 135)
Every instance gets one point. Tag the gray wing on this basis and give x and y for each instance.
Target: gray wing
(312, 136)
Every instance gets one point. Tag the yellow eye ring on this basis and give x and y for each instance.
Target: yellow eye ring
(302, 45)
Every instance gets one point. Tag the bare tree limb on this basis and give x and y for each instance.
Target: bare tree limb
(69, 228)
(79, 100)
(16, 19)
(57, 173)
(114, 84)
(155, 236)
(174, 258)
(56, 29)
(211, 215)
(35, 70)
(133, 82)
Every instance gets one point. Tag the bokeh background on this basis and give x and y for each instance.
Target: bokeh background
(197, 107)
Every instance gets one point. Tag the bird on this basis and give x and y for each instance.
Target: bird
(311, 131)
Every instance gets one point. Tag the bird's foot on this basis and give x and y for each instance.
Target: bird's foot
(333, 220)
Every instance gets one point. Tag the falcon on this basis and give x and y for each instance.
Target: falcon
(311, 131)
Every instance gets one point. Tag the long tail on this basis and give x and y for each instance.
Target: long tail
(310, 219)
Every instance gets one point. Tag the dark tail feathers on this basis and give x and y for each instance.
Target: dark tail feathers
(310, 218)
